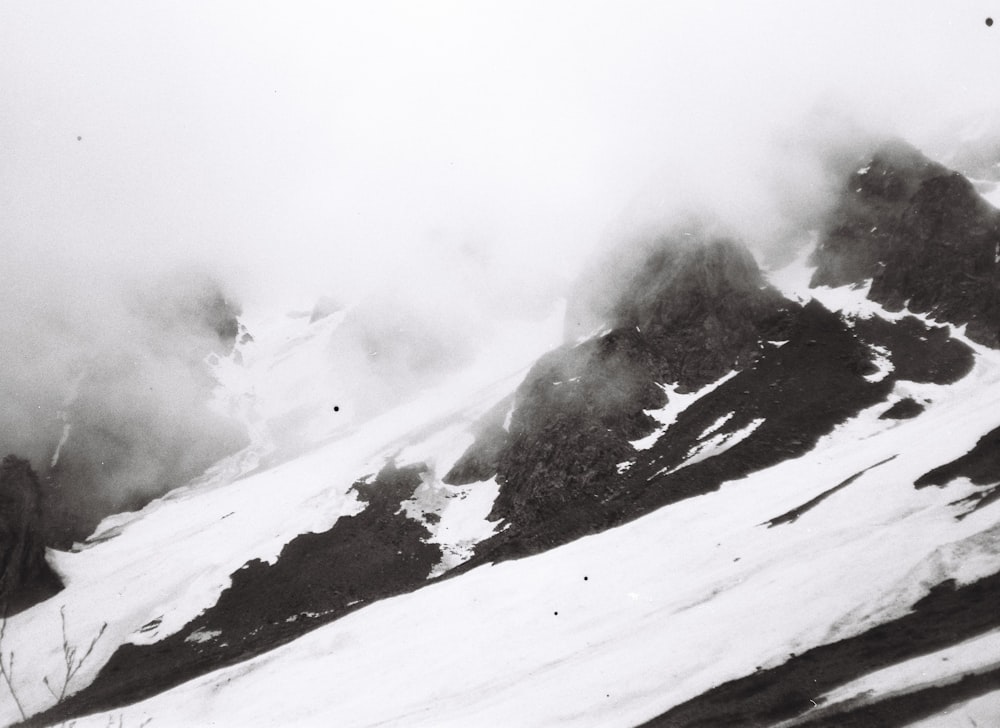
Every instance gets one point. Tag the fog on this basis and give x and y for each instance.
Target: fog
(468, 157)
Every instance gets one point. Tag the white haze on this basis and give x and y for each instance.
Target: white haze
(465, 157)
(306, 147)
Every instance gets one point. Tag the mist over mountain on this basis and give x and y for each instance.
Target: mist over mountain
(732, 439)
(451, 364)
(108, 395)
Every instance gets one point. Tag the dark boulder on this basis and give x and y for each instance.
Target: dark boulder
(904, 409)
(25, 576)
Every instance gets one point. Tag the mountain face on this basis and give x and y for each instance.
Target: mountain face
(695, 310)
(925, 238)
(862, 226)
(726, 498)
(25, 575)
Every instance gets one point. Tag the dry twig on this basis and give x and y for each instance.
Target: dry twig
(7, 664)
(71, 662)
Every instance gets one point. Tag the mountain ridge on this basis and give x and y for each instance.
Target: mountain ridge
(711, 392)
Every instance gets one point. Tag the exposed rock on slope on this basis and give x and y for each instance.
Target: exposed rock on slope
(481, 461)
(773, 410)
(981, 465)
(25, 576)
(317, 578)
(693, 311)
(945, 259)
(865, 219)
(925, 238)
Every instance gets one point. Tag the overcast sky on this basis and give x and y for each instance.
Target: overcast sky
(311, 147)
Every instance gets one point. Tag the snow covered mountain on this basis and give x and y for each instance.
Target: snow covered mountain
(701, 494)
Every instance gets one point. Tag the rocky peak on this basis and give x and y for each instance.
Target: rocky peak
(924, 237)
(688, 312)
(863, 222)
(699, 303)
(682, 282)
(945, 258)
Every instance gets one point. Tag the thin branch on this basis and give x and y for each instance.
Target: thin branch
(71, 662)
(48, 687)
(7, 665)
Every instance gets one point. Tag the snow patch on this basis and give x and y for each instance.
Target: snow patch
(508, 417)
(677, 402)
(203, 635)
(716, 425)
(716, 444)
(62, 440)
(882, 361)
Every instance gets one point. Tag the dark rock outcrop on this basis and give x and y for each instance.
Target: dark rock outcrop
(700, 303)
(702, 308)
(905, 409)
(690, 312)
(945, 259)
(482, 460)
(25, 576)
(864, 221)
(981, 465)
(777, 408)
(924, 237)
(919, 352)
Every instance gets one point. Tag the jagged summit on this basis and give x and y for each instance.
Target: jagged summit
(945, 258)
(863, 222)
(690, 312)
(684, 280)
(701, 302)
(923, 235)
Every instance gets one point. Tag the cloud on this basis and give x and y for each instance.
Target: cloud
(469, 157)
(300, 145)
(105, 389)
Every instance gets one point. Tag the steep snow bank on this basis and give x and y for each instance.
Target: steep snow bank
(148, 573)
(615, 628)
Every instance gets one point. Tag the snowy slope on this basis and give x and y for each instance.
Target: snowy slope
(146, 574)
(612, 629)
